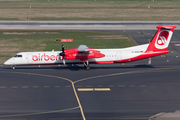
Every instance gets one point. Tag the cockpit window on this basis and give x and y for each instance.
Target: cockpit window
(18, 56)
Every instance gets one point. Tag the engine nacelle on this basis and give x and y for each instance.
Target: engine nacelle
(83, 55)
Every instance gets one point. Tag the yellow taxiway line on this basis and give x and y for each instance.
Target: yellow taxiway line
(94, 89)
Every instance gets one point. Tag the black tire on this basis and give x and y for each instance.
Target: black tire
(87, 68)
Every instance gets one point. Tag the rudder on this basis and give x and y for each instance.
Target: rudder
(162, 38)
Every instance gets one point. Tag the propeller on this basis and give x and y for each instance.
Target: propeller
(63, 54)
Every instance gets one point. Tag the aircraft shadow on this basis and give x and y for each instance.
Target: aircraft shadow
(80, 67)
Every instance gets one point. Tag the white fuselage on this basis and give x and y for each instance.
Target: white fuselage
(53, 57)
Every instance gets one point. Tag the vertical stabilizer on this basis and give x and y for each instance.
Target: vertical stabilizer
(162, 38)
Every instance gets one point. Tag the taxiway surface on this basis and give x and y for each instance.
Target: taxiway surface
(110, 91)
(85, 25)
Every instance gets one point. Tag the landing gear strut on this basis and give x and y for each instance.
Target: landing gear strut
(149, 61)
(86, 65)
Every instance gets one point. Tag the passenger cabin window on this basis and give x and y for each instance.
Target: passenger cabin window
(18, 56)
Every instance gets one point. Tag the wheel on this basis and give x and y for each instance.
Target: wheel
(13, 67)
(87, 68)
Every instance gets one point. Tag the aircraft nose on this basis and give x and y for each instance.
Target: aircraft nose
(8, 62)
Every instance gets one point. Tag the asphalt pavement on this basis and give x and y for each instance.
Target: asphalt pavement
(130, 91)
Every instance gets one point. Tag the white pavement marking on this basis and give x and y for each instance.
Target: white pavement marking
(2, 86)
(46, 86)
(142, 85)
(110, 85)
(131, 85)
(35, 86)
(24, 86)
(13, 86)
(121, 85)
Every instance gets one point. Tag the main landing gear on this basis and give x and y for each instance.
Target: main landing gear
(149, 61)
(86, 65)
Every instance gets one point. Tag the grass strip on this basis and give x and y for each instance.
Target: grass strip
(159, 10)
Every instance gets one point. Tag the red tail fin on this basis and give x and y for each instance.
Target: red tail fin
(161, 40)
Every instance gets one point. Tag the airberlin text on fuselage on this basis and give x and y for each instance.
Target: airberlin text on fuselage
(41, 57)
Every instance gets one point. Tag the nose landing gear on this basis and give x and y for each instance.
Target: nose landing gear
(13, 67)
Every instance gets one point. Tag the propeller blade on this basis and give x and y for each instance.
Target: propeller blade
(64, 62)
(63, 48)
(63, 54)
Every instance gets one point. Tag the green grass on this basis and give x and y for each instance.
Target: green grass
(160, 10)
(12, 42)
(90, 39)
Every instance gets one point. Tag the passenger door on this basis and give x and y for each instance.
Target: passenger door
(119, 56)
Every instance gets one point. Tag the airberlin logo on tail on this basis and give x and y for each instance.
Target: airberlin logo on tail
(163, 39)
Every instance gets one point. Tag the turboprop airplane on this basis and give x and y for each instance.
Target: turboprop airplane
(86, 56)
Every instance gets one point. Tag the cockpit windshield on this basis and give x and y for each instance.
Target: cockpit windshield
(18, 56)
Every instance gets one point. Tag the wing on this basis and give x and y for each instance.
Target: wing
(83, 53)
